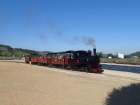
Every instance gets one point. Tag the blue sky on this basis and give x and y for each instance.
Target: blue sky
(59, 25)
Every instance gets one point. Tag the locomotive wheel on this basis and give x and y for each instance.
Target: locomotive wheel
(89, 69)
(50, 65)
(68, 67)
(85, 69)
(76, 68)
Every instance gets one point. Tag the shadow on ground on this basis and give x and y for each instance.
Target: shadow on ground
(127, 95)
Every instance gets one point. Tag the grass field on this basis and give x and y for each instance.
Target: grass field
(121, 61)
(9, 58)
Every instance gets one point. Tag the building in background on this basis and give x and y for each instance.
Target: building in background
(120, 55)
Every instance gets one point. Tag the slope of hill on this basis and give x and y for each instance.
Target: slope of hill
(135, 54)
(8, 51)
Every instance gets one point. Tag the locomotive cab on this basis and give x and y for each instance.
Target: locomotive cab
(97, 68)
(88, 62)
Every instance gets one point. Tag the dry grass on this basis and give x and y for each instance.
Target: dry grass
(122, 61)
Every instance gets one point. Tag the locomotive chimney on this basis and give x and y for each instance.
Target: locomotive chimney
(94, 51)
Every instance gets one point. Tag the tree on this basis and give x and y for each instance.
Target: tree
(139, 55)
(100, 54)
(109, 55)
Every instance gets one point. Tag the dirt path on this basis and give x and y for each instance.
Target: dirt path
(23, 84)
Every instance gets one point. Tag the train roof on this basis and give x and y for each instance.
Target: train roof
(80, 51)
(69, 51)
(62, 52)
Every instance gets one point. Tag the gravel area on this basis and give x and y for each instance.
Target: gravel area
(25, 84)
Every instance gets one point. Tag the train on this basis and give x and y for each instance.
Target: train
(79, 60)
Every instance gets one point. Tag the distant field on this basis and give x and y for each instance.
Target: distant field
(10, 58)
(121, 61)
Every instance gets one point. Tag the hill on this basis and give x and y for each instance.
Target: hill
(135, 54)
(8, 51)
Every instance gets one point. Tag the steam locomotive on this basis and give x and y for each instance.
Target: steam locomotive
(72, 60)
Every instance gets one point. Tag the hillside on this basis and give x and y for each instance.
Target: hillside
(8, 51)
(135, 54)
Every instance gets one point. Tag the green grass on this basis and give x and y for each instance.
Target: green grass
(121, 61)
(9, 58)
(3, 48)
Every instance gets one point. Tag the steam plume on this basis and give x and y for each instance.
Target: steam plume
(50, 24)
(42, 37)
(59, 33)
(89, 41)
